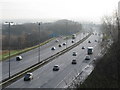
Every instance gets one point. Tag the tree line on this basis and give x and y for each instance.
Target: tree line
(27, 34)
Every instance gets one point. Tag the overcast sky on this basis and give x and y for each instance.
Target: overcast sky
(77, 10)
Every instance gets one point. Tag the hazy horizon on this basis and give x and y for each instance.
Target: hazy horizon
(52, 10)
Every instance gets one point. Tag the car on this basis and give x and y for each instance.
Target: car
(53, 48)
(89, 42)
(59, 45)
(73, 36)
(83, 47)
(74, 54)
(28, 77)
(72, 41)
(74, 61)
(87, 57)
(18, 58)
(90, 50)
(94, 59)
(56, 40)
(64, 43)
(95, 40)
(56, 68)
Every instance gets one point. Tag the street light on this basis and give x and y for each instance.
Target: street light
(9, 44)
(39, 44)
(66, 34)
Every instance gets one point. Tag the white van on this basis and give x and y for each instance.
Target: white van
(90, 50)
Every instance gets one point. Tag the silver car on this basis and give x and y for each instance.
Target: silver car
(87, 57)
(56, 68)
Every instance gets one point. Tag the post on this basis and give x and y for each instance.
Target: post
(66, 34)
(9, 49)
(39, 44)
(9, 44)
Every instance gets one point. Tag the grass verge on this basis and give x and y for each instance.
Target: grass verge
(5, 56)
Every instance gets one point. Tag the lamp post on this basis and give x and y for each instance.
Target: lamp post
(66, 34)
(9, 43)
(39, 44)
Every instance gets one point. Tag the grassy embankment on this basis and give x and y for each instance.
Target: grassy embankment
(5, 54)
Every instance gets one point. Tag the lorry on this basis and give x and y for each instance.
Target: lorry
(90, 50)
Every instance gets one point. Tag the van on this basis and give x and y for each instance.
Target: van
(90, 50)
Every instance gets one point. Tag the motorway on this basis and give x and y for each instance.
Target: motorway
(45, 77)
(31, 57)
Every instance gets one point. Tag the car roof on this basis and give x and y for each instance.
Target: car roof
(90, 47)
(18, 56)
(56, 65)
(29, 73)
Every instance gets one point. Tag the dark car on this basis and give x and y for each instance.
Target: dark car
(28, 77)
(72, 41)
(56, 40)
(95, 40)
(56, 68)
(53, 48)
(89, 42)
(87, 57)
(64, 43)
(59, 45)
(74, 54)
(83, 47)
(74, 61)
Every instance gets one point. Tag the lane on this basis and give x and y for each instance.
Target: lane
(46, 78)
(77, 69)
(31, 57)
(16, 66)
(70, 71)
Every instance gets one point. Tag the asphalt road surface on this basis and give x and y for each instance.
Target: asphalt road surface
(31, 57)
(45, 77)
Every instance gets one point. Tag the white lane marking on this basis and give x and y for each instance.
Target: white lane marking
(62, 80)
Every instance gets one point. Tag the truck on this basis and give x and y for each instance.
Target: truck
(90, 50)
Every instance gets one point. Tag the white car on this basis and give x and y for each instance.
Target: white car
(53, 48)
(87, 57)
(18, 58)
(28, 77)
(74, 54)
(56, 68)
